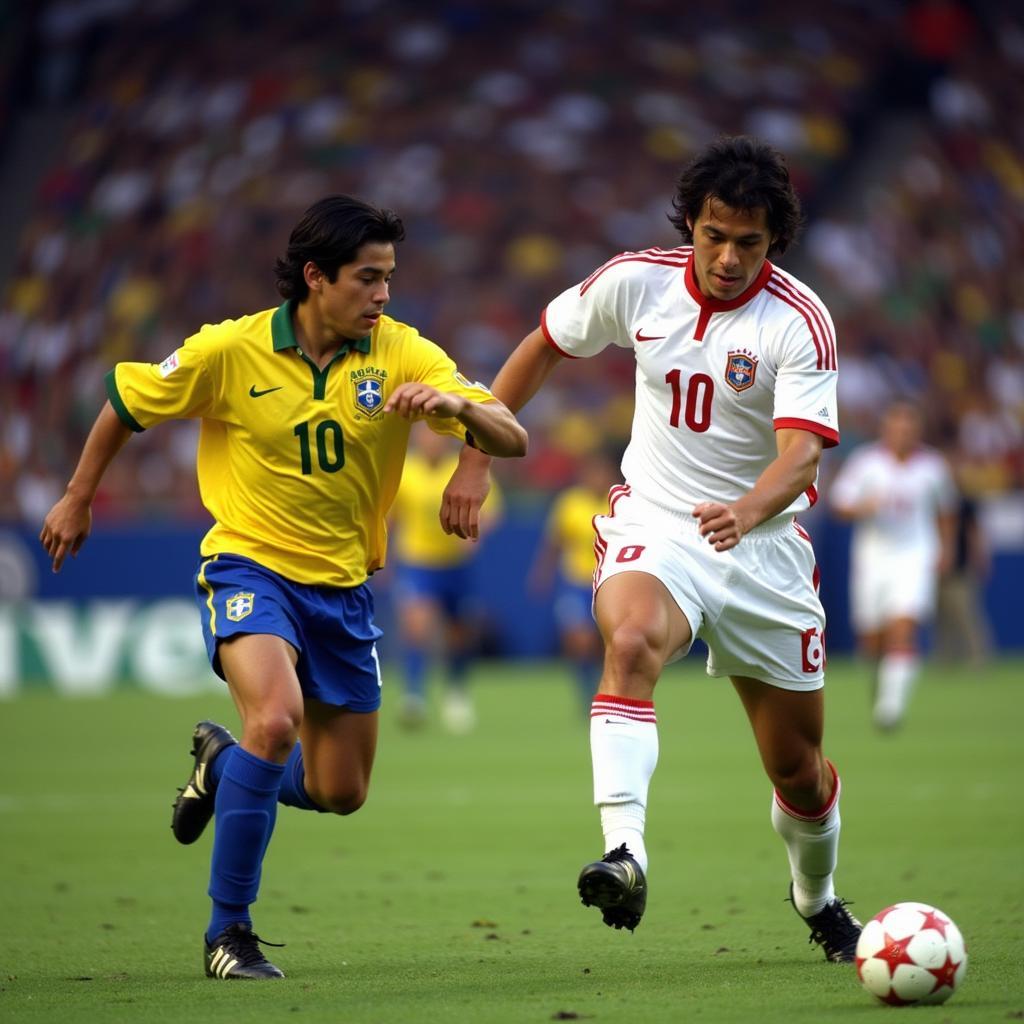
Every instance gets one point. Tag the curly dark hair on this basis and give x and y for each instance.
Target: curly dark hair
(743, 173)
(330, 234)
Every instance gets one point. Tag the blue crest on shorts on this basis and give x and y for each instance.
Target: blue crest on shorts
(369, 394)
(740, 369)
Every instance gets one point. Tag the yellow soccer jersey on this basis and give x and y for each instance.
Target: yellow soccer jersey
(420, 540)
(298, 466)
(570, 527)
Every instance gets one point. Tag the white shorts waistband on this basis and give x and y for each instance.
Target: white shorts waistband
(684, 520)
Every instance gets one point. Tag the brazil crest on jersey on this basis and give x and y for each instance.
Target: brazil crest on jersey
(297, 465)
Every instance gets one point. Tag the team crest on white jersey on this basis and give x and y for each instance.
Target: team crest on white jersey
(239, 605)
(740, 370)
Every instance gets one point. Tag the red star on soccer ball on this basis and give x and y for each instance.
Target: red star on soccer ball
(944, 975)
(935, 920)
(894, 1000)
(894, 953)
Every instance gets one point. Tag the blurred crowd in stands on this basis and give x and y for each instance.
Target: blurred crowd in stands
(523, 143)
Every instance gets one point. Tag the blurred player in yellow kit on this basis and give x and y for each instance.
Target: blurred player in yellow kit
(433, 587)
(568, 547)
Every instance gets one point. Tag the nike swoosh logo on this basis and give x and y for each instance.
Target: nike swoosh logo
(640, 336)
(253, 393)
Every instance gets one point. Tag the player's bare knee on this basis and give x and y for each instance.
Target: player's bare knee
(632, 653)
(801, 779)
(346, 799)
(271, 734)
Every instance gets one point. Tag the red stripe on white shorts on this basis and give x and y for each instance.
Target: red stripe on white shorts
(600, 550)
(617, 492)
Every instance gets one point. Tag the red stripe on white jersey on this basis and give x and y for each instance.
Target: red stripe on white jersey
(812, 495)
(668, 259)
(550, 340)
(811, 326)
(682, 253)
(605, 705)
(803, 533)
(793, 423)
(818, 311)
(822, 812)
(809, 308)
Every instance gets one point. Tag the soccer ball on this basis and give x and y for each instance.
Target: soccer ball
(911, 953)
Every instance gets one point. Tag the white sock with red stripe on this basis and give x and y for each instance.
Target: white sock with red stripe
(624, 752)
(812, 842)
(896, 674)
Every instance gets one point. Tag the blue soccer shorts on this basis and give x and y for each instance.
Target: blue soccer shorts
(573, 605)
(450, 587)
(331, 628)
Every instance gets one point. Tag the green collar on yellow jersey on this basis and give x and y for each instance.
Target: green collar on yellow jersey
(283, 333)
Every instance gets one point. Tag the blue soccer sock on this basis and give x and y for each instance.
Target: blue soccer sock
(293, 784)
(215, 768)
(414, 664)
(245, 808)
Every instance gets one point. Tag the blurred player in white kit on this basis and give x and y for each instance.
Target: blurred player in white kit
(901, 497)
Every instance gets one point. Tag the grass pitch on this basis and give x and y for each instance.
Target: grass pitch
(451, 895)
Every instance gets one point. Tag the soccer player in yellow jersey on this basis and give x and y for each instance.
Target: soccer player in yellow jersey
(304, 416)
(433, 588)
(569, 546)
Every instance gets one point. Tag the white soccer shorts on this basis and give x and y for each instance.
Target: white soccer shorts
(887, 585)
(756, 606)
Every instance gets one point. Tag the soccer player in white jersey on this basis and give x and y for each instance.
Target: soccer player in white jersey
(901, 497)
(735, 398)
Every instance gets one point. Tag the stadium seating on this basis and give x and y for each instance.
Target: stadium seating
(523, 143)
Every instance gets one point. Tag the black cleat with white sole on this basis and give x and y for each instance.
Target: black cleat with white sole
(235, 955)
(193, 806)
(835, 929)
(616, 885)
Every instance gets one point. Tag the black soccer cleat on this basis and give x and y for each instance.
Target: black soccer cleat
(193, 806)
(833, 928)
(235, 955)
(616, 885)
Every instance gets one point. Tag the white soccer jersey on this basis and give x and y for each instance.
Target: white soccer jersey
(909, 495)
(714, 378)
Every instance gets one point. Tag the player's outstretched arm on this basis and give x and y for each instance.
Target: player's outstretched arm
(493, 427)
(68, 523)
(517, 382)
(790, 473)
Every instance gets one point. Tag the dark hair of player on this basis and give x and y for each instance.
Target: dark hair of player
(743, 173)
(330, 235)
